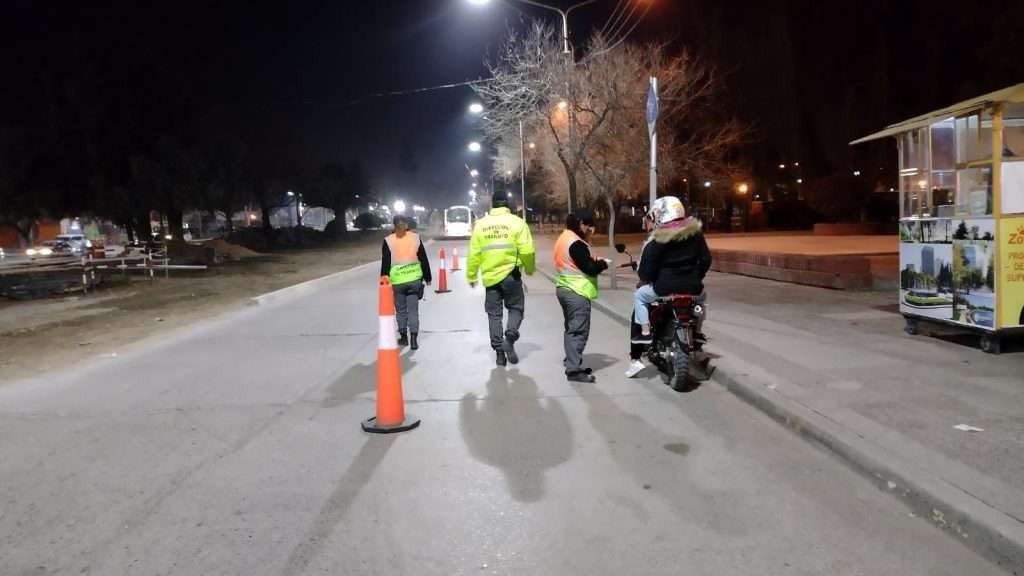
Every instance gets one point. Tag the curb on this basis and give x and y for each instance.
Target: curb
(296, 289)
(301, 287)
(986, 531)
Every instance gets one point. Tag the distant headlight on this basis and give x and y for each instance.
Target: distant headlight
(45, 252)
(30, 252)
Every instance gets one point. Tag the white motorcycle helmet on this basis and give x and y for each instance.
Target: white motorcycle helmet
(665, 210)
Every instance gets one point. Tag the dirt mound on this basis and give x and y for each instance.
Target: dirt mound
(231, 251)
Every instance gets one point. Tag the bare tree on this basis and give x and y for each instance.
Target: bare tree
(607, 161)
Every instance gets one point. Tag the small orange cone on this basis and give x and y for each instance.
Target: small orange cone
(455, 260)
(391, 415)
(442, 276)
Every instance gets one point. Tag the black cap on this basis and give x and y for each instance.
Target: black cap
(499, 199)
(399, 218)
(584, 216)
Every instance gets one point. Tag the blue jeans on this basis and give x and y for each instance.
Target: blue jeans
(643, 296)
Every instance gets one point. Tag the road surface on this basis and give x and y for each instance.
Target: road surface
(235, 448)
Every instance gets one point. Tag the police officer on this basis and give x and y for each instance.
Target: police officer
(576, 288)
(404, 261)
(500, 250)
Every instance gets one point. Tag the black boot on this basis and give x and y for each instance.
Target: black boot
(500, 359)
(403, 339)
(413, 343)
(509, 347)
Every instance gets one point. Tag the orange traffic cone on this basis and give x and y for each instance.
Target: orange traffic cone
(455, 260)
(391, 415)
(442, 276)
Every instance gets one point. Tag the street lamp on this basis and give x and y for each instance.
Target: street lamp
(474, 173)
(399, 207)
(476, 108)
(474, 147)
(563, 13)
(743, 188)
(707, 183)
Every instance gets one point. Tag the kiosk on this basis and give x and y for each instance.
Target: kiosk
(961, 172)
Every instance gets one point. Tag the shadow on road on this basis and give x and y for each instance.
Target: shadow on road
(658, 462)
(338, 503)
(599, 362)
(358, 379)
(514, 430)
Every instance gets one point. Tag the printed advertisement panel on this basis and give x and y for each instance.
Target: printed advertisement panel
(927, 280)
(1011, 278)
(974, 273)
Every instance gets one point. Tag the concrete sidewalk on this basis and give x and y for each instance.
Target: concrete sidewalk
(837, 368)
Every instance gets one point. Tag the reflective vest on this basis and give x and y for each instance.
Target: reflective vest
(569, 274)
(405, 262)
(501, 242)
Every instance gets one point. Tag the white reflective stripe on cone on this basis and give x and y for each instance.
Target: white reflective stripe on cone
(387, 338)
(444, 263)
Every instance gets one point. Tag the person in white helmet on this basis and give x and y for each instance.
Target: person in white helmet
(675, 260)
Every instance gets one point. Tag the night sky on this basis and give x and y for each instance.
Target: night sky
(806, 76)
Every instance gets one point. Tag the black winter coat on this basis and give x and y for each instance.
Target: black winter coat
(676, 258)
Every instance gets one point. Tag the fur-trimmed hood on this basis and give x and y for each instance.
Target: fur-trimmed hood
(678, 230)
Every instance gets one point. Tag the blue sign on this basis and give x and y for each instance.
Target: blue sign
(652, 104)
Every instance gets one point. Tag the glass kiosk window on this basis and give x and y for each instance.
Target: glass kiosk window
(1012, 189)
(913, 172)
(974, 165)
(943, 170)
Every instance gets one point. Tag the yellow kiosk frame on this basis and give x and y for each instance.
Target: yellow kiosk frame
(961, 172)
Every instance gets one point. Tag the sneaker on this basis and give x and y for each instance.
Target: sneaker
(500, 359)
(635, 367)
(581, 377)
(509, 347)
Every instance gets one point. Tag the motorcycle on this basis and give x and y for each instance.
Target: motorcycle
(676, 349)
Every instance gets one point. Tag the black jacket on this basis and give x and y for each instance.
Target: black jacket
(676, 258)
(421, 254)
(580, 254)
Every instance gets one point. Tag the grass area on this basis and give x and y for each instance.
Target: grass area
(63, 331)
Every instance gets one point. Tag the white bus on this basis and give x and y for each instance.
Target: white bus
(458, 222)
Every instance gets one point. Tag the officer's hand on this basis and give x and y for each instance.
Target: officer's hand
(428, 283)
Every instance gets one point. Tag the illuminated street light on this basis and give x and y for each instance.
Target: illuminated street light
(474, 173)
(856, 172)
(474, 147)
(782, 166)
(799, 180)
(508, 173)
(399, 207)
(532, 145)
(480, 2)
(743, 188)
(563, 105)
(476, 108)
(290, 193)
(707, 183)
(474, 184)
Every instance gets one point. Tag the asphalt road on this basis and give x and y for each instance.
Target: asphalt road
(235, 448)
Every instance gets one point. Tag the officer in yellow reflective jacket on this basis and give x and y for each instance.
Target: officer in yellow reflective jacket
(500, 250)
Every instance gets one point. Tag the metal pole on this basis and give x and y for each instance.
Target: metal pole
(522, 168)
(654, 152)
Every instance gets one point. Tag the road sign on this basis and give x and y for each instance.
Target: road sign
(652, 103)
